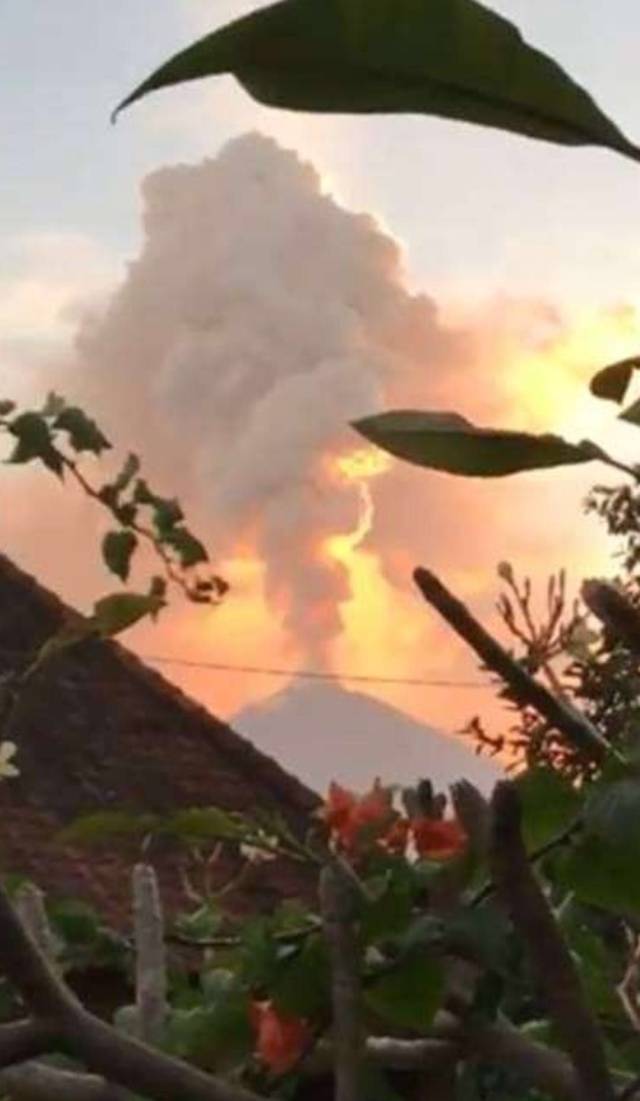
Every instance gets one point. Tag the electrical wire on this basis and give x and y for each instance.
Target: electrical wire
(311, 674)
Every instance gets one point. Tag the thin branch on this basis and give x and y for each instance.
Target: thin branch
(100, 1047)
(337, 904)
(552, 962)
(526, 690)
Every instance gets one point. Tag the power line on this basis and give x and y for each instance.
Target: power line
(294, 674)
(311, 674)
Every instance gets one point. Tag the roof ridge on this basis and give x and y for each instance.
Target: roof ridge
(233, 745)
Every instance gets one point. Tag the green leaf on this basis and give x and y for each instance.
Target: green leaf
(116, 613)
(611, 383)
(408, 996)
(6, 407)
(388, 908)
(449, 442)
(84, 434)
(201, 924)
(34, 441)
(303, 987)
(612, 811)
(259, 960)
(201, 824)
(603, 874)
(130, 468)
(217, 1035)
(75, 921)
(117, 549)
(632, 414)
(190, 550)
(452, 58)
(549, 804)
(109, 825)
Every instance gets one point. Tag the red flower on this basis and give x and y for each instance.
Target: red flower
(352, 818)
(437, 838)
(280, 1039)
(338, 807)
(395, 840)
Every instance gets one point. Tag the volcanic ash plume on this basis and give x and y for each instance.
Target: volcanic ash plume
(257, 321)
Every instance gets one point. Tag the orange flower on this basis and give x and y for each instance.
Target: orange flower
(280, 1039)
(438, 839)
(352, 818)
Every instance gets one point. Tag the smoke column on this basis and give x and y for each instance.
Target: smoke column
(257, 321)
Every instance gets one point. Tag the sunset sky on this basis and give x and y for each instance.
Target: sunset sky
(515, 273)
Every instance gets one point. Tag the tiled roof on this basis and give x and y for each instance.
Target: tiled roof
(98, 729)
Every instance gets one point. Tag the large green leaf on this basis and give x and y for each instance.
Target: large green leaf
(449, 442)
(116, 613)
(613, 811)
(603, 874)
(549, 804)
(453, 58)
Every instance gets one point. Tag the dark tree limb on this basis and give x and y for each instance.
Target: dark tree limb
(553, 966)
(337, 906)
(22, 1040)
(102, 1049)
(527, 691)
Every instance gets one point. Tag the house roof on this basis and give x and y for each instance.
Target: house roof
(98, 729)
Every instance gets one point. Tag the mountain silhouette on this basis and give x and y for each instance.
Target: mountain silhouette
(321, 732)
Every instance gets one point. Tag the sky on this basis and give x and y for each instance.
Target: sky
(529, 250)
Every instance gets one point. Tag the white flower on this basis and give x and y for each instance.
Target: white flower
(7, 751)
(255, 854)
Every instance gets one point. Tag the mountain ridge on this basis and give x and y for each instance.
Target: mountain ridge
(322, 732)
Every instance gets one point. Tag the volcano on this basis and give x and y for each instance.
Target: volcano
(321, 732)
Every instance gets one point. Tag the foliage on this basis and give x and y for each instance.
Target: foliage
(448, 442)
(60, 436)
(453, 58)
(430, 900)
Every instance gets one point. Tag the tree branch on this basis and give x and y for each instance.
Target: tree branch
(39, 1082)
(337, 905)
(104, 1051)
(151, 964)
(527, 691)
(500, 1044)
(21, 1040)
(553, 965)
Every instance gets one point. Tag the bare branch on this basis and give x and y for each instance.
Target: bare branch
(538, 1066)
(30, 908)
(40, 1082)
(522, 896)
(151, 964)
(528, 692)
(104, 1051)
(337, 904)
(499, 1044)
